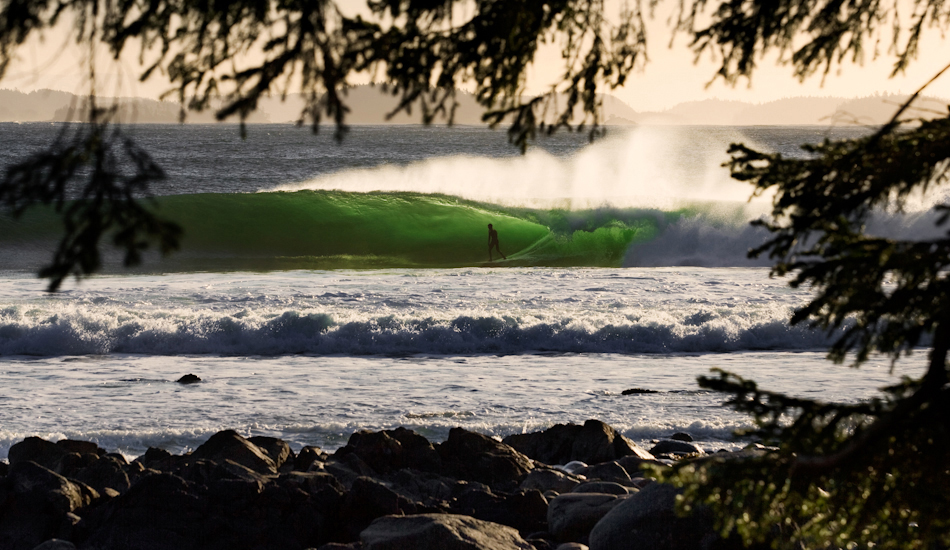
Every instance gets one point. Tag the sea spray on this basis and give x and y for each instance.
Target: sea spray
(659, 168)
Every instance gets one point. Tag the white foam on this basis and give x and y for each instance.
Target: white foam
(643, 167)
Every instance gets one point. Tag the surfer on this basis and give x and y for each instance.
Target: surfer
(493, 243)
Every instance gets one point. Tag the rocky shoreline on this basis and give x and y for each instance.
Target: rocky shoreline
(568, 487)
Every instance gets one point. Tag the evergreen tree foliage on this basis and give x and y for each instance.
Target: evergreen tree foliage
(859, 475)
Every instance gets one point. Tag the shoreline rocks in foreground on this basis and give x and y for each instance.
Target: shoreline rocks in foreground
(563, 488)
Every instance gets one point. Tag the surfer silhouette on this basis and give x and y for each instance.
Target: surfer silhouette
(493, 243)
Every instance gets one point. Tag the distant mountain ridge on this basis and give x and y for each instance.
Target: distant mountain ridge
(793, 111)
(369, 105)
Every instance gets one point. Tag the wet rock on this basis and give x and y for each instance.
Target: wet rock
(442, 531)
(38, 506)
(681, 436)
(276, 449)
(572, 516)
(572, 546)
(594, 442)
(188, 379)
(369, 499)
(391, 450)
(234, 493)
(346, 468)
(573, 467)
(156, 459)
(524, 510)
(527, 510)
(43, 486)
(634, 465)
(80, 447)
(598, 442)
(311, 482)
(641, 482)
(165, 511)
(229, 445)
(107, 472)
(649, 518)
(45, 453)
(480, 503)
(544, 479)
(607, 471)
(637, 391)
(673, 447)
(551, 446)
(604, 487)
(431, 490)
(160, 511)
(378, 450)
(232, 470)
(473, 456)
(306, 458)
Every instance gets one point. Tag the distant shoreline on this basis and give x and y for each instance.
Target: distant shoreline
(368, 106)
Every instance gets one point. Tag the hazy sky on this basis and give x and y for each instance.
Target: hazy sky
(671, 76)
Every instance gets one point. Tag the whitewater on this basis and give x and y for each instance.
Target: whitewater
(324, 288)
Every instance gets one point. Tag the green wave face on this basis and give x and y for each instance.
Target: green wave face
(333, 229)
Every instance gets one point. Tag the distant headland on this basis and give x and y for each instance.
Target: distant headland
(370, 105)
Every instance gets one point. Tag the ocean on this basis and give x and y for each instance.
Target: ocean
(324, 288)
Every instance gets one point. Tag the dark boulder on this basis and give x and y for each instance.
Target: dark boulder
(311, 482)
(229, 445)
(648, 520)
(635, 465)
(277, 449)
(527, 511)
(603, 487)
(47, 454)
(347, 467)
(391, 450)
(442, 531)
(637, 391)
(572, 516)
(80, 447)
(160, 511)
(431, 490)
(43, 486)
(524, 510)
(205, 472)
(551, 446)
(594, 442)
(38, 506)
(378, 450)
(107, 472)
(598, 442)
(674, 447)
(606, 471)
(369, 499)
(188, 379)
(164, 511)
(545, 479)
(157, 459)
(476, 457)
(682, 436)
(307, 457)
